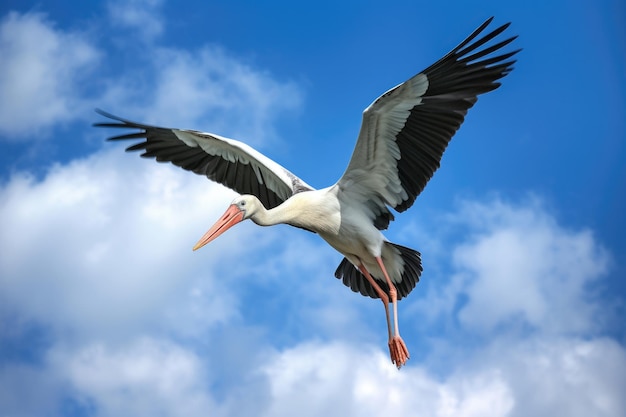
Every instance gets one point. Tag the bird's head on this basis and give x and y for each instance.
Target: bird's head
(240, 209)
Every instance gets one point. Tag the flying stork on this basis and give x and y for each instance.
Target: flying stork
(403, 136)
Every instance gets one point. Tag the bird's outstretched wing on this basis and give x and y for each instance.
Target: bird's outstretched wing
(226, 161)
(404, 132)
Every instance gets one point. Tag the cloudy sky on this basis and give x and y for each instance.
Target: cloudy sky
(106, 311)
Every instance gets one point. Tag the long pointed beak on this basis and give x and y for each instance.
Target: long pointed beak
(231, 217)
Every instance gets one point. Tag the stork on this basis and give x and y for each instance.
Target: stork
(403, 136)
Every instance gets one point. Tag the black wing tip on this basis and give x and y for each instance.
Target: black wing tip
(495, 32)
(483, 26)
(469, 51)
(486, 37)
(121, 122)
(475, 50)
(487, 22)
(108, 116)
(105, 113)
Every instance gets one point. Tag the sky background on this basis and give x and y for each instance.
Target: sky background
(106, 311)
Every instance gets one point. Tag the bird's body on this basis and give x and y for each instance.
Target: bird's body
(342, 226)
(403, 136)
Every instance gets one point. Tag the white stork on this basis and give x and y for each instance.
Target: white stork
(403, 136)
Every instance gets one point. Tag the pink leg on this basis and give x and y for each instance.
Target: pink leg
(397, 349)
(381, 294)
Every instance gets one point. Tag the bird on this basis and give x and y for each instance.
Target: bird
(402, 139)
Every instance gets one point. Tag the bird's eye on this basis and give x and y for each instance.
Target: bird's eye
(243, 203)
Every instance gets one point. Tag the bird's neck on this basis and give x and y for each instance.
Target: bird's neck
(277, 215)
(311, 210)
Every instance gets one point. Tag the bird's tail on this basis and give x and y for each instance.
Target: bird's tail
(354, 279)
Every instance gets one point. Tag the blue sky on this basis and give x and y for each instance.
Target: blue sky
(106, 311)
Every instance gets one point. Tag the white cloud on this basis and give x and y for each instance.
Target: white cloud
(563, 376)
(141, 16)
(100, 238)
(531, 377)
(109, 230)
(39, 70)
(203, 89)
(524, 265)
(146, 378)
(44, 70)
(519, 267)
(27, 391)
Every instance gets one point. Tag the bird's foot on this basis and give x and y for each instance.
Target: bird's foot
(398, 351)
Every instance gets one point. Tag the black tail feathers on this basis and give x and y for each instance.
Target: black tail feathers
(356, 281)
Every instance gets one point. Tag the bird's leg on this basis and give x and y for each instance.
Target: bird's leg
(397, 349)
(383, 296)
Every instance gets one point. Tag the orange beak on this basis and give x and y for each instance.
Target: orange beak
(231, 217)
